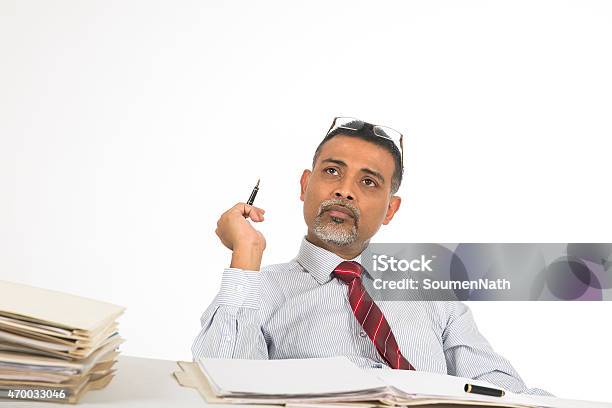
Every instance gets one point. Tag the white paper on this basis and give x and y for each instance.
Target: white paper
(452, 387)
(316, 376)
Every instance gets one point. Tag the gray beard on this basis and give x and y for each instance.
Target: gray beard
(334, 233)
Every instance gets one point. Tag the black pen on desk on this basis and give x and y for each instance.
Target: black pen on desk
(478, 389)
(253, 194)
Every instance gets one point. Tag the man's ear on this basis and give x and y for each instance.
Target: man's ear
(304, 183)
(394, 205)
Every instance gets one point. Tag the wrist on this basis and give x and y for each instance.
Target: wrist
(247, 256)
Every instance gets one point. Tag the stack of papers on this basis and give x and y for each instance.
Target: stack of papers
(337, 382)
(54, 346)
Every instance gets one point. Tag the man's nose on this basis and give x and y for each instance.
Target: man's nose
(343, 192)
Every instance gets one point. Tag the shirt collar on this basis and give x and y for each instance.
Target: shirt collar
(319, 262)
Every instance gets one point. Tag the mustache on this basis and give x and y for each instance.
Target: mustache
(327, 204)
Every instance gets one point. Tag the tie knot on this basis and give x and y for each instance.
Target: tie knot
(347, 271)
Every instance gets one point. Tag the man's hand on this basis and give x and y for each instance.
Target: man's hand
(238, 235)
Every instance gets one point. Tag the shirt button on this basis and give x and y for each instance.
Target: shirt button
(228, 338)
(239, 288)
(362, 333)
(377, 365)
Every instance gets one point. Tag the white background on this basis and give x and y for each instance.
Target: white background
(127, 127)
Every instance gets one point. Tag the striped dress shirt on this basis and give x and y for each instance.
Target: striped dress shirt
(298, 310)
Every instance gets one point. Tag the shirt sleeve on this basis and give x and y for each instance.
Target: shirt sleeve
(469, 354)
(231, 325)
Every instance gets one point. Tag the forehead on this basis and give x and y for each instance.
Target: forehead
(359, 153)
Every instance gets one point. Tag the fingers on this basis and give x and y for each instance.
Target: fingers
(256, 214)
(249, 211)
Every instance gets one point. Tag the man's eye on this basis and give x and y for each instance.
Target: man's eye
(369, 182)
(331, 170)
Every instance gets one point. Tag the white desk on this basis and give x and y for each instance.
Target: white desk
(138, 382)
(144, 382)
(141, 382)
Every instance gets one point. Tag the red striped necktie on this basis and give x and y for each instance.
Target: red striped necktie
(370, 316)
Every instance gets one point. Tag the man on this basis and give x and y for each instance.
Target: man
(315, 305)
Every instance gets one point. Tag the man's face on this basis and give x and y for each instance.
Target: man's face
(347, 195)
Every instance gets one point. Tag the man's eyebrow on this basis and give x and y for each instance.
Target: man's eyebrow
(374, 173)
(335, 161)
(366, 170)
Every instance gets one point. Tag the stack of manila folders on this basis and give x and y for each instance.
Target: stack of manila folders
(54, 346)
(335, 382)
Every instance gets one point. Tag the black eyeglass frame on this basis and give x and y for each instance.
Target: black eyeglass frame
(380, 131)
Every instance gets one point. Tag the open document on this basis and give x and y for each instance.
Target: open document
(337, 381)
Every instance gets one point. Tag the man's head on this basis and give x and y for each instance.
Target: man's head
(349, 193)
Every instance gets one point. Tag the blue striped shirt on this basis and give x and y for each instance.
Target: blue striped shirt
(298, 310)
